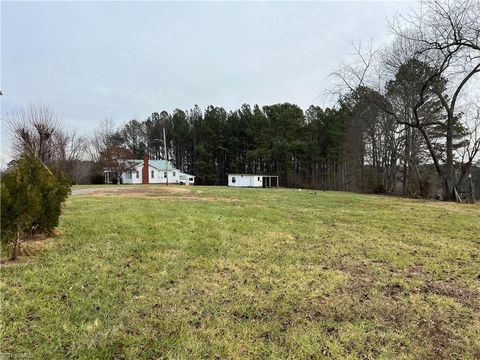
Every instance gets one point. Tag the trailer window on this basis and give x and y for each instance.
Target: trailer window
(153, 174)
(233, 180)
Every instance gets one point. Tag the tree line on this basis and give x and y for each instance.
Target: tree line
(278, 139)
(406, 121)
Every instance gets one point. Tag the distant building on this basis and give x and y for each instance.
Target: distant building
(148, 171)
(252, 180)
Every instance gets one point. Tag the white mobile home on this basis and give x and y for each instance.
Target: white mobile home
(252, 180)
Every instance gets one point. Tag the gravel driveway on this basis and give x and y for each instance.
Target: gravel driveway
(95, 189)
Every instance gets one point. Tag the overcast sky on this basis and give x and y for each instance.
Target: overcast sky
(123, 60)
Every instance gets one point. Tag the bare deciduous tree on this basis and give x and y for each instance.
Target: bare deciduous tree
(101, 139)
(71, 150)
(117, 159)
(37, 129)
(33, 129)
(445, 36)
(435, 56)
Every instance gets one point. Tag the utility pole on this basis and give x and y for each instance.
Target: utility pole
(166, 154)
(472, 189)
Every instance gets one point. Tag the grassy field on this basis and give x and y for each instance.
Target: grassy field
(222, 273)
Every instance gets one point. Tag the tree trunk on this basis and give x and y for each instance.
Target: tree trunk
(15, 246)
(447, 187)
(449, 181)
(406, 161)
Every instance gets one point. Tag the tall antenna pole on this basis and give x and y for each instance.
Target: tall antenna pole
(166, 154)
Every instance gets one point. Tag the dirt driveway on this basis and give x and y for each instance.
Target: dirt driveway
(94, 190)
(133, 189)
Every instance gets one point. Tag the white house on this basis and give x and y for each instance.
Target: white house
(252, 180)
(148, 171)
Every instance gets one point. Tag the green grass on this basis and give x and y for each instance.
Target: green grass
(216, 272)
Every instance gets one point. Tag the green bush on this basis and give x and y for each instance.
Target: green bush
(54, 191)
(31, 200)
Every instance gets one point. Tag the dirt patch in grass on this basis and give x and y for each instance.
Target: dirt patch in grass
(143, 190)
(415, 270)
(30, 249)
(363, 281)
(160, 193)
(466, 297)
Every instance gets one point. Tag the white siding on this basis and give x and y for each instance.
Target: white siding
(156, 175)
(133, 180)
(159, 176)
(242, 180)
(186, 179)
(138, 180)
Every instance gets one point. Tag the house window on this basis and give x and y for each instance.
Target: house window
(153, 174)
(174, 174)
(259, 178)
(233, 180)
(190, 179)
(164, 174)
(129, 175)
(138, 174)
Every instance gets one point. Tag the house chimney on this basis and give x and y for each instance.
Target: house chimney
(145, 169)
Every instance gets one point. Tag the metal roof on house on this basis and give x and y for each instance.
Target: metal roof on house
(161, 164)
(158, 164)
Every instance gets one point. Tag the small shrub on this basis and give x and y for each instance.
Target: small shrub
(54, 190)
(31, 200)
